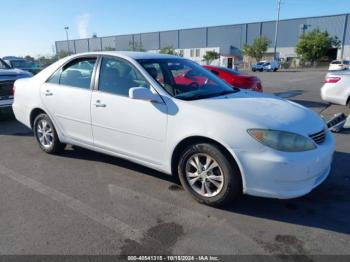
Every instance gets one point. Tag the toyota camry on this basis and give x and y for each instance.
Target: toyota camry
(220, 141)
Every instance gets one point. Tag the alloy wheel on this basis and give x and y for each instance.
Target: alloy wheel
(45, 133)
(204, 175)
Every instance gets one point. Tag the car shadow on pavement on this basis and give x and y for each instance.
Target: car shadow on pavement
(85, 154)
(289, 93)
(326, 207)
(11, 127)
(308, 103)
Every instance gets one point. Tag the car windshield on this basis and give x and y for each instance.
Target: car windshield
(336, 62)
(21, 64)
(260, 63)
(3, 65)
(186, 80)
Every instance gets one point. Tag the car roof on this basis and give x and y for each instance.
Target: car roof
(132, 54)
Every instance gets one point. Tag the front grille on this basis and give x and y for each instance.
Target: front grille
(6, 89)
(319, 137)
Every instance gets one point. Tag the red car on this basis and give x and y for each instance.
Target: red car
(236, 79)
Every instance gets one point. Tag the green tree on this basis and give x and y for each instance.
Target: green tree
(168, 50)
(314, 45)
(257, 49)
(210, 56)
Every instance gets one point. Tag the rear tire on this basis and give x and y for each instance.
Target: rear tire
(208, 175)
(46, 135)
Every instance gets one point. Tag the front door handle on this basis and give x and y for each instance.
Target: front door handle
(99, 104)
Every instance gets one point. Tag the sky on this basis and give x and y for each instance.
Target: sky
(31, 27)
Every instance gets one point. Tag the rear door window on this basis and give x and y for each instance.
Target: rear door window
(77, 73)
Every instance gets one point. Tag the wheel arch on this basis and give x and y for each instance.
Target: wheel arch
(202, 139)
(33, 114)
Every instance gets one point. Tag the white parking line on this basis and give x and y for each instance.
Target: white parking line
(76, 205)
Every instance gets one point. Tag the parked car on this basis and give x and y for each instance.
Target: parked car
(7, 78)
(23, 64)
(270, 66)
(219, 141)
(258, 66)
(236, 78)
(337, 65)
(336, 88)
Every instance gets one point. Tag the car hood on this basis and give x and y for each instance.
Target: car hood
(10, 74)
(261, 110)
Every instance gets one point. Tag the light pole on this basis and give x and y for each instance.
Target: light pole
(67, 28)
(276, 31)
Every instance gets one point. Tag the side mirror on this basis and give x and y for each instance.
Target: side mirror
(143, 93)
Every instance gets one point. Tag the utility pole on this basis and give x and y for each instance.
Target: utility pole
(67, 28)
(276, 31)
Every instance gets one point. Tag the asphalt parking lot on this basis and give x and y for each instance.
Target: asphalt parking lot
(83, 202)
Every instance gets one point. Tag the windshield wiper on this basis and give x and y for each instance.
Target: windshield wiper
(226, 92)
(203, 96)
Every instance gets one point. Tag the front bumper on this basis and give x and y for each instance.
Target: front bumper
(285, 175)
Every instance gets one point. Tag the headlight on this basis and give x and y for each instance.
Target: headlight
(282, 141)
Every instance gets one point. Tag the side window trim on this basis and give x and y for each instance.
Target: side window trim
(72, 61)
(98, 73)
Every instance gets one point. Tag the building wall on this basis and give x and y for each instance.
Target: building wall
(197, 54)
(169, 38)
(227, 37)
(193, 38)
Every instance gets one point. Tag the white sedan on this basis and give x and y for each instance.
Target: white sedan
(337, 65)
(220, 141)
(336, 88)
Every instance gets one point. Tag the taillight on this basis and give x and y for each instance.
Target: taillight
(332, 79)
(13, 90)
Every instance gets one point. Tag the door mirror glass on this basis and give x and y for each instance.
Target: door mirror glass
(143, 93)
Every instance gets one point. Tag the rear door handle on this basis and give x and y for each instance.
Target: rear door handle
(48, 93)
(98, 104)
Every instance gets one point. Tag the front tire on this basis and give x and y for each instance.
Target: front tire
(208, 175)
(46, 135)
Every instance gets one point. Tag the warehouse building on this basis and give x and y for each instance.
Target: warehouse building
(227, 40)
